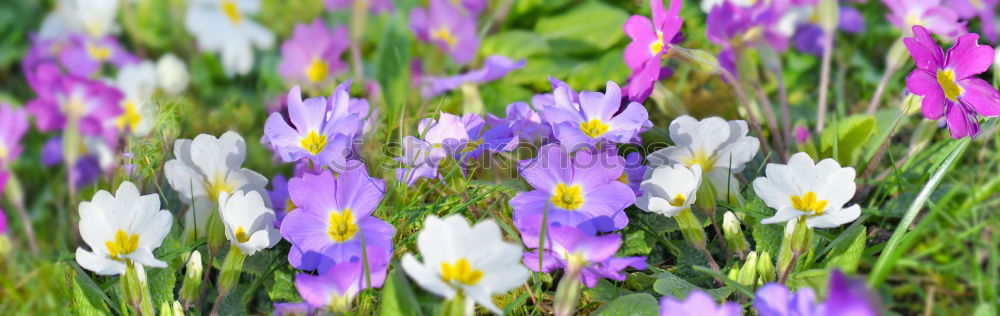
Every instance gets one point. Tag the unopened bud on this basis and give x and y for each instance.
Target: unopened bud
(706, 198)
(175, 309)
(734, 272)
(691, 228)
(748, 274)
(733, 233)
(828, 16)
(192, 278)
(216, 232)
(172, 74)
(801, 237)
(897, 55)
(785, 254)
(765, 268)
(231, 269)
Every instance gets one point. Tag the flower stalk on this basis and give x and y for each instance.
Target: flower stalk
(568, 291)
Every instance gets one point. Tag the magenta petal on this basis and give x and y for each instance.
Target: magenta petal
(926, 54)
(960, 122)
(981, 96)
(968, 58)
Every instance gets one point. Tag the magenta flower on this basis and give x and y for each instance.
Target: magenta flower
(582, 188)
(3, 216)
(931, 14)
(698, 303)
(947, 82)
(494, 67)
(83, 56)
(312, 55)
(448, 27)
(321, 132)
(13, 125)
(650, 39)
(585, 119)
(336, 287)
(571, 246)
(93, 104)
(984, 9)
(332, 215)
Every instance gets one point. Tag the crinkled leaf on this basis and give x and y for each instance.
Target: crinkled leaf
(632, 304)
(847, 255)
(850, 134)
(584, 28)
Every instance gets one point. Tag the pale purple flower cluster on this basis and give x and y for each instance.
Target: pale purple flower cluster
(311, 56)
(450, 138)
(844, 297)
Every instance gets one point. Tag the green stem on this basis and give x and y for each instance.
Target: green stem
(568, 292)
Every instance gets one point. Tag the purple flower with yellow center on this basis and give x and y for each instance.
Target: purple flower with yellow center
(13, 125)
(650, 40)
(698, 303)
(84, 56)
(376, 6)
(312, 55)
(585, 119)
(445, 25)
(931, 14)
(523, 121)
(576, 249)
(947, 82)
(494, 67)
(844, 297)
(634, 171)
(984, 9)
(582, 188)
(447, 136)
(92, 104)
(318, 132)
(335, 288)
(332, 215)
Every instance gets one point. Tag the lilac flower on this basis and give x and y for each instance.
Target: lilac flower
(297, 309)
(335, 288)
(845, 297)
(83, 56)
(3, 216)
(587, 118)
(459, 138)
(809, 37)
(947, 82)
(931, 14)
(761, 20)
(649, 46)
(420, 160)
(332, 216)
(494, 67)
(94, 104)
(582, 188)
(13, 125)
(376, 6)
(312, 55)
(523, 121)
(698, 303)
(280, 199)
(567, 246)
(984, 9)
(319, 131)
(446, 26)
(634, 171)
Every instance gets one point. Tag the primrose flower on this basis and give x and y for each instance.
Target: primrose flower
(984, 9)
(447, 26)
(332, 215)
(568, 247)
(296, 309)
(249, 223)
(634, 172)
(947, 82)
(931, 14)
(122, 227)
(698, 303)
(312, 55)
(817, 191)
(207, 166)
(61, 98)
(316, 133)
(335, 288)
(95, 18)
(845, 297)
(574, 189)
(172, 74)
(721, 148)
(460, 138)
(584, 119)
(280, 199)
(84, 56)
(524, 122)
(650, 41)
(13, 125)
(223, 27)
(137, 82)
(669, 189)
(494, 67)
(459, 259)
(809, 36)
(376, 6)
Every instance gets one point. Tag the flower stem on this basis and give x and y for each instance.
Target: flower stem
(824, 81)
(568, 292)
(788, 268)
(14, 194)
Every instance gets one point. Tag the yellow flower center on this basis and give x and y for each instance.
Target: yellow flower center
(808, 203)
(568, 197)
(122, 245)
(130, 118)
(241, 235)
(74, 107)
(656, 46)
(702, 158)
(472, 145)
(317, 70)
(913, 19)
(445, 35)
(946, 79)
(623, 178)
(216, 185)
(289, 205)
(594, 128)
(4, 152)
(978, 4)
(678, 200)
(460, 271)
(231, 11)
(342, 227)
(314, 142)
(98, 52)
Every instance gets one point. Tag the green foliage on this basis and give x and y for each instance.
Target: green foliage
(847, 255)
(397, 296)
(639, 304)
(846, 138)
(584, 28)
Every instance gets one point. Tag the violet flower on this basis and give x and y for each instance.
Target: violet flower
(335, 288)
(13, 125)
(93, 104)
(446, 26)
(312, 55)
(375, 6)
(809, 37)
(296, 309)
(845, 297)
(698, 303)
(568, 247)
(984, 9)
(947, 82)
(283, 204)
(650, 42)
(83, 56)
(321, 132)
(523, 121)
(588, 118)
(931, 14)
(494, 67)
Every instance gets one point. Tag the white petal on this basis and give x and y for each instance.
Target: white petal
(426, 278)
(145, 257)
(234, 148)
(834, 218)
(94, 227)
(784, 214)
(483, 297)
(209, 156)
(155, 230)
(667, 156)
(98, 263)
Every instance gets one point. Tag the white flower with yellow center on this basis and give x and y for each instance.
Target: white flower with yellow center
(249, 223)
(222, 26)
(206, 166)
(95, 18)
(721, 148)
(122, 227)
(471, 262)
(668, 190)
(802, 188)
(137, 82)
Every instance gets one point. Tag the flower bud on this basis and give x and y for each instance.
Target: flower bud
(733, 233)
(192, 279)
(734, 272)
(705, 199)
(765, 268)
(175, 309)
(828, 16)
(785, 254)
(898, 54)
(748, 274)
(172, 74)
(216, 232)
(691, 228)
(231, 269)
(801, 237)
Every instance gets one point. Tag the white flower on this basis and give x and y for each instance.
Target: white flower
(122, 227)
(172, 74)
(249, 223)
(137, 82)
(474, 260)
(206, 166)
(707, 5)
(223, 27)
(96, 18)
(804, 188)
(669, 189)
(721, 148)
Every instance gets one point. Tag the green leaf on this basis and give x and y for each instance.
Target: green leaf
(632, 304)
(585, 28)
(768, 237)
(392, 64)
(87, 297)
(847, 255)
(671, 285)
(397, 296)
(815, 279)
(283, 287)
(515, 44)
(849, 134)
(605, 291)
(635, 244)
(161, 284)
(594, 75)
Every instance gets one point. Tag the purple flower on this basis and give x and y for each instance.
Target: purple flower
(83, 56)
(984, 9)
(523, 121)
(3, 216)
(376, 6)
(336, 287)
(931, 14)
(458, 138)
(947, 82)
(279, 198)
(297, 309)
(634, 171)
(88, 167)
(582, 188)
(801, 134)
(567, 246)
(420, 160)
(809, 37)
(761, 20)
(587, 118)
(494, 67)
(698, 303)
(649, 46)
(446, 26)
(332, 216)
(13, 125)
(319, 131)
(94, 104)
(845, 297)
(312, 55)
